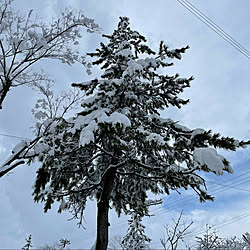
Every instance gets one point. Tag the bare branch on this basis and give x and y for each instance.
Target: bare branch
(175, 233)
(7, 168)
(22, 44)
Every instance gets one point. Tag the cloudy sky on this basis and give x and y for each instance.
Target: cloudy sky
(219, 100)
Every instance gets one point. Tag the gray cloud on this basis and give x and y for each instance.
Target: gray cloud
(219, 99)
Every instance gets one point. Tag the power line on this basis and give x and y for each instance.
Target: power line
(14, 136)
(213, 26)
(224, 223)
(174, 204)
(241, 189)
(217, 27)
(193, 197)
(236, 181)
(190, 200)
(213, 189)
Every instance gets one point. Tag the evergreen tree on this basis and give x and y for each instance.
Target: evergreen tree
(28, 244)
(115, 243)
(210, 240)
(135, 238)
(246, 239)
(63, 243)
(119, 147)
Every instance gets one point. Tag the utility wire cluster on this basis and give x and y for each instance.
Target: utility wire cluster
(13, 136)
(213, 26)
(215, 227)
(187, 200)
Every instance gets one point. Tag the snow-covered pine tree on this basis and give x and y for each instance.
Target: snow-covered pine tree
(210, 240)
(119, 147)
(135, 238)
(246, 239)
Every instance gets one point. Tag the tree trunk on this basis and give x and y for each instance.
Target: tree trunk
(4, 91)
(103, 210)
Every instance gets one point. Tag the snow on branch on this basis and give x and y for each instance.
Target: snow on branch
(24, 41)
(48, 112)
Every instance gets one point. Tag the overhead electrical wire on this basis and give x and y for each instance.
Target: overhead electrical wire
(224, 223)
(202, 15)
(173, 205)
(190, 198)
(213, 26)
(214, 188)
(214, 227)
(165, 209)
(242, 189)
(13, 136)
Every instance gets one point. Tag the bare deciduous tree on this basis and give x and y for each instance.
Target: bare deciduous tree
(176, 233)
(48, 110)
(24, 41)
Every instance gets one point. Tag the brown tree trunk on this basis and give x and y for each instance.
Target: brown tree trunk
(103, 210)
